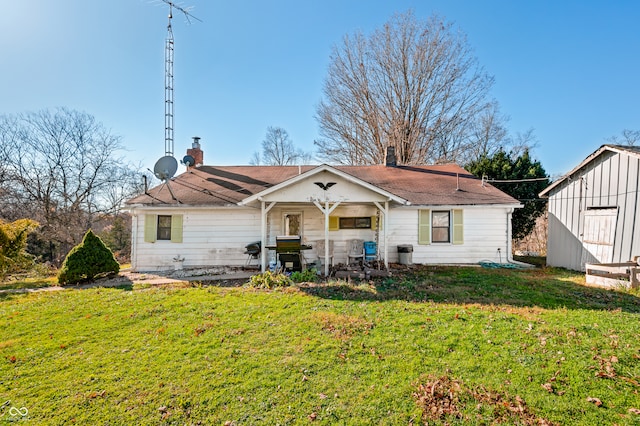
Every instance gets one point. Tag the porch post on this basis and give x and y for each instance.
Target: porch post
(327, 211)
(263, 233)
(263, 238)
(385, 226)
(326, 238)
(386, 237)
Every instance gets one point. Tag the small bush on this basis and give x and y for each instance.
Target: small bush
(269, 279)
(306, 276)
(13, 243)
(88, 260)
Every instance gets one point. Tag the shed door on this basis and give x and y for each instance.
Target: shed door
(598, 235)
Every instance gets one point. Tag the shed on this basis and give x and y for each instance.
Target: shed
(593, 210)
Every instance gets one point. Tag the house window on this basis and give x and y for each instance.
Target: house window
(440, 227)
(164, 227)
(355, 223)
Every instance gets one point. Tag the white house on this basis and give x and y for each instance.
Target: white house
(206, 216)
(593, 210)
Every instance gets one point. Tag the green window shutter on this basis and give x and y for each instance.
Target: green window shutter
(176, 228)
(334, 223)
(458, 227)
(150, 228)
(424, 226)
(374, 222)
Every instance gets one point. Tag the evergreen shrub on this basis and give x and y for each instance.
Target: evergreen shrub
(87, 261)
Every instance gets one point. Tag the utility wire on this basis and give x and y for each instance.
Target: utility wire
(515, 180)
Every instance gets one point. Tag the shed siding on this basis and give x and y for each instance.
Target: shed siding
(610, 180)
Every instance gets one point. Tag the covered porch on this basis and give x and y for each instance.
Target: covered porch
(328, 209)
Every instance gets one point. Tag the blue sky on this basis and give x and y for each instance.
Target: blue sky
(567, 69)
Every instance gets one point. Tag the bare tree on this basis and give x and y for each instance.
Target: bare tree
(61, 169)
(626, 137)
(414, 85)
(278, 150)
(488, 133)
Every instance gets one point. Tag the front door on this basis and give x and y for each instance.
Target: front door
(292, 223)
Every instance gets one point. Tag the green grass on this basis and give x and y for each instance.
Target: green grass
(475, 346)
(29, 282)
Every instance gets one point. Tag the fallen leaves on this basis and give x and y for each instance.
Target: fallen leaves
(605, 366)
(443, 398)
(548, 387)
(341, 326)
(595, 401)
(96, 394)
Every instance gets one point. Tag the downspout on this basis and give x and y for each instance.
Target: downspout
(134, 233)
(508, 255)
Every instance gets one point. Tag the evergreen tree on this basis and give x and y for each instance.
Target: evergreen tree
(523, 173)
(88, 260)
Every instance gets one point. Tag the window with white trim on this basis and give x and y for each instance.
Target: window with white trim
(440, 226)
(163, 228)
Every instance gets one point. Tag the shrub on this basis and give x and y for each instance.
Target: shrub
(88, 260)
(269, 279)
(306, 276)
(13, 243)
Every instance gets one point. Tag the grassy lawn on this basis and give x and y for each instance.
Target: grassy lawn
(436, 346)
(25, 282)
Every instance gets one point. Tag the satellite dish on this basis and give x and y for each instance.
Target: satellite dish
(165, 167)
(188, 161)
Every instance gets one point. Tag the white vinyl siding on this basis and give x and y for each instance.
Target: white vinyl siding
(478, 233)
(217, 237)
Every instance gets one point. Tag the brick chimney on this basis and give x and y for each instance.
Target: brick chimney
(196, 152)
(390, 156)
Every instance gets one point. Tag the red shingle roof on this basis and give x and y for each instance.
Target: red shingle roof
(446, 184)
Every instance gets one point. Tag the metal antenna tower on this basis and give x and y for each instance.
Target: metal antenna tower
(168, 77)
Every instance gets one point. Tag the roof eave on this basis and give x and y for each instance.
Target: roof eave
(606, 147)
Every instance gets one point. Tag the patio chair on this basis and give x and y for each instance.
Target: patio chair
(355, 250)
(320, 249)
